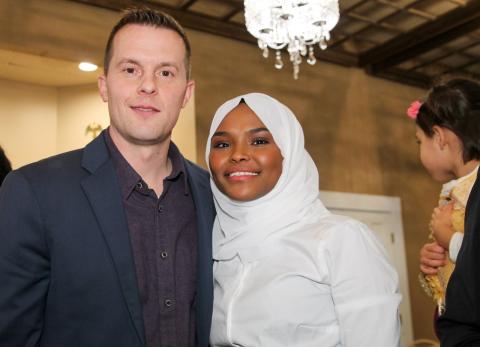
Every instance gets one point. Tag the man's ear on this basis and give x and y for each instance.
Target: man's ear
(102, 87)
(439, 136)
(188, 92)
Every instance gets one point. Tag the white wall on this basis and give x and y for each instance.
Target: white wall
(37, 122)
(28, 121)
(81, 105)
(77, 108)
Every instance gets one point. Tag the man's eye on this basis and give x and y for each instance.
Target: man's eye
(129, 70)
(166, 73)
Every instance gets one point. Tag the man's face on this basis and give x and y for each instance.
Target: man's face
(146, 85)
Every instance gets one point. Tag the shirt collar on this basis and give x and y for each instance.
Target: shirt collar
(178, 167)
(128, 177)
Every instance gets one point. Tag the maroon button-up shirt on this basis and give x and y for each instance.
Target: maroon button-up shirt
(163, 235)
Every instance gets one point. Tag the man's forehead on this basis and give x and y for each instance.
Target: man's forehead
(145, 37)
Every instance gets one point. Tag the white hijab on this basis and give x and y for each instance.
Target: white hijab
(242, 227)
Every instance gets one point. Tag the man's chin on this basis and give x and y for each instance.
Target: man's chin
(148, 139)
(139, 136)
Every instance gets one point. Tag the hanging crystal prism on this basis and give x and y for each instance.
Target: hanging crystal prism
(311, 56)
(278, 60)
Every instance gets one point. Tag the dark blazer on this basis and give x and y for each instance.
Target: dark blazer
(67, 276)
(460, 324)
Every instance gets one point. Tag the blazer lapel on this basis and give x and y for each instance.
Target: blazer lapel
(203, 201)
(103, 192)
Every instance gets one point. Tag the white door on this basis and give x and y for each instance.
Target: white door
(383, 215)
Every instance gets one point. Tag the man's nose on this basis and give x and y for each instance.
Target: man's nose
(148, 85)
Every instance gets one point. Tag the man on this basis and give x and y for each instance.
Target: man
(111, 245)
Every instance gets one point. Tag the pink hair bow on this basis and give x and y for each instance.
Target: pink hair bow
(412, 111)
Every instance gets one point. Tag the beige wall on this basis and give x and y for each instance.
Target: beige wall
(77, 108)
(185, 133)
(37, 122)
(355, 128)
(28, 121)
(81, 105)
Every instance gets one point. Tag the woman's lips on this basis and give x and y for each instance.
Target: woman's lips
(241, 175)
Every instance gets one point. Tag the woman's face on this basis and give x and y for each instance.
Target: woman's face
(435, 159)
(244, 160)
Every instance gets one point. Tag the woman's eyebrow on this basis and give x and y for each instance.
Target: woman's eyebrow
(258, 130)
(251, 131)
(219, 133)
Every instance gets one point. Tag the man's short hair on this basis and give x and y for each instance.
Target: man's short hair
(148, 17)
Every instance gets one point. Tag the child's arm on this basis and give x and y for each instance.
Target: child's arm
(441, 224)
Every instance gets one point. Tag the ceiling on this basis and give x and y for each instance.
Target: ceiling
(409, 41)
(30, 68)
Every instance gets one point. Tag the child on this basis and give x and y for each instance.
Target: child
(448, 131)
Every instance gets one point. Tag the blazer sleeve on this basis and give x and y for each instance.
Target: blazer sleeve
(459, 326)
(24, 264)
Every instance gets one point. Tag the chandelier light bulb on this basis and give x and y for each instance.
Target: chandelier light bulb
(297, 25)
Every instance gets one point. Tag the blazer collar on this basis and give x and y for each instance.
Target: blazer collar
(203, 200)
(95, 154)
(103, 192)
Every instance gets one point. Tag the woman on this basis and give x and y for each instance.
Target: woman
(287, 272)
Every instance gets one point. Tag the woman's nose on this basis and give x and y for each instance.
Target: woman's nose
(240, 153)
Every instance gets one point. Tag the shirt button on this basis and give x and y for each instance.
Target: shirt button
(160, 208)
(168, 303)
(139, 185)
(164, 254)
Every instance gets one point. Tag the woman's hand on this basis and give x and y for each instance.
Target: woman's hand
(441, 224)
(432, 256)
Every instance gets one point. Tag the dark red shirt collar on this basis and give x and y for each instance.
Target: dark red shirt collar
(129, 178)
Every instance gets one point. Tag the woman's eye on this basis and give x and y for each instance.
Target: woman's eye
(257, 142)
(417, 142)
(220, 145)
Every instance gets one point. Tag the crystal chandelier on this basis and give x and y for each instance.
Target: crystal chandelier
(295, 24)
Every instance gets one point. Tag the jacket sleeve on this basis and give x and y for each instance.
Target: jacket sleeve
(24, 264)
(364, 289)
(459, 326)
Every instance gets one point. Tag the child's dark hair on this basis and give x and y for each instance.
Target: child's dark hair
(454, 105)
(5, 166)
